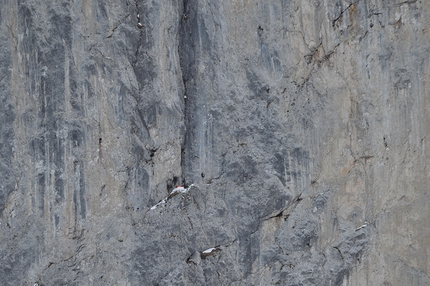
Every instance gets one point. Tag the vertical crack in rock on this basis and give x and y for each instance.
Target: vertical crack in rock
(352, 5)
(139, 23)
(187, 58)
(7, 117)
(182, 62)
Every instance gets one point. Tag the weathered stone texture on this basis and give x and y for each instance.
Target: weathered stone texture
(302, 124)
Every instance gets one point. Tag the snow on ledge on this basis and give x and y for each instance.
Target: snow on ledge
(174, 192)
(210, 250)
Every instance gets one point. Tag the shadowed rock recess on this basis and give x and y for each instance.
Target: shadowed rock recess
(301, 124)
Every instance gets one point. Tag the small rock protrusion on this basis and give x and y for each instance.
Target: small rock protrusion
(139, 24)
(194, 258)
(43, 71)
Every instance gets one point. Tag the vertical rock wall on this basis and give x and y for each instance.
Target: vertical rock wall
(301, 124)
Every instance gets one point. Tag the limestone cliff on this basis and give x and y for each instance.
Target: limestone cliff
(301, 124)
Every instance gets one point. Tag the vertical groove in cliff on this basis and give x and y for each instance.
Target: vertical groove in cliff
(187, 59)
(181, 34)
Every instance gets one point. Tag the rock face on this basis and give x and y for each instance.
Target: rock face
(302, 124)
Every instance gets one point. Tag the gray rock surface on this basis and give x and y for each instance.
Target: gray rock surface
(302, 124)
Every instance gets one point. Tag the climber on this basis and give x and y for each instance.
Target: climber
(184, 184)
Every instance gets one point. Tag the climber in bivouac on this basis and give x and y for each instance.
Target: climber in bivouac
(183, 185)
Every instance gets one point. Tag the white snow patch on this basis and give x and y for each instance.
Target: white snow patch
(189, 187)
(210, 250)
(160, 203)
(174, 191)
(178, 190)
